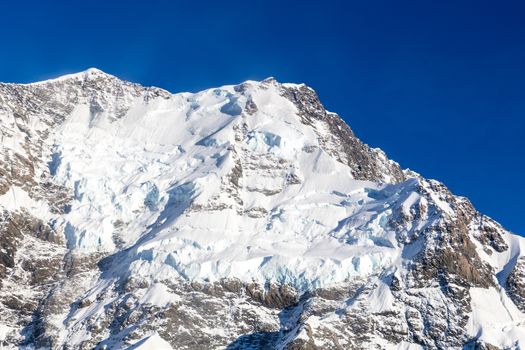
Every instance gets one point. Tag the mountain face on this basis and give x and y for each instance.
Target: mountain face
(242, 217)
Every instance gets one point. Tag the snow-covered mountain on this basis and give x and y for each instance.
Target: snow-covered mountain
(241, 217)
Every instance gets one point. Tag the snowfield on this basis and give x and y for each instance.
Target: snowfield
(134, 177)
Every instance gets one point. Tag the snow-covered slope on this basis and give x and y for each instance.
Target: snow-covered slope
(245, 216)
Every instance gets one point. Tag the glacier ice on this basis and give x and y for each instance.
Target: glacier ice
(136, 185)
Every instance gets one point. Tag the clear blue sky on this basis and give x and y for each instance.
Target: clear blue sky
(438, 85)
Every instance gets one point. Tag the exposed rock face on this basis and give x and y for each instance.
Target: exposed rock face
(366, 163)
(516, 284)
(243, 217)
(30, 265)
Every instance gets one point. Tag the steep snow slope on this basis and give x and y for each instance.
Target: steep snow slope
(261, 199)
(242, 216)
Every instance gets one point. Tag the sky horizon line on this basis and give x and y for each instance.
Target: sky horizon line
(437, 86)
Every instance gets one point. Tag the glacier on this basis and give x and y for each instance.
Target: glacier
(155, 157)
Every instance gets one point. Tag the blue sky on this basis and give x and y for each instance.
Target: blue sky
(440, 86)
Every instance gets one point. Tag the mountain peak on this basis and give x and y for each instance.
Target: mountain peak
(85, 75)
(94, 72)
